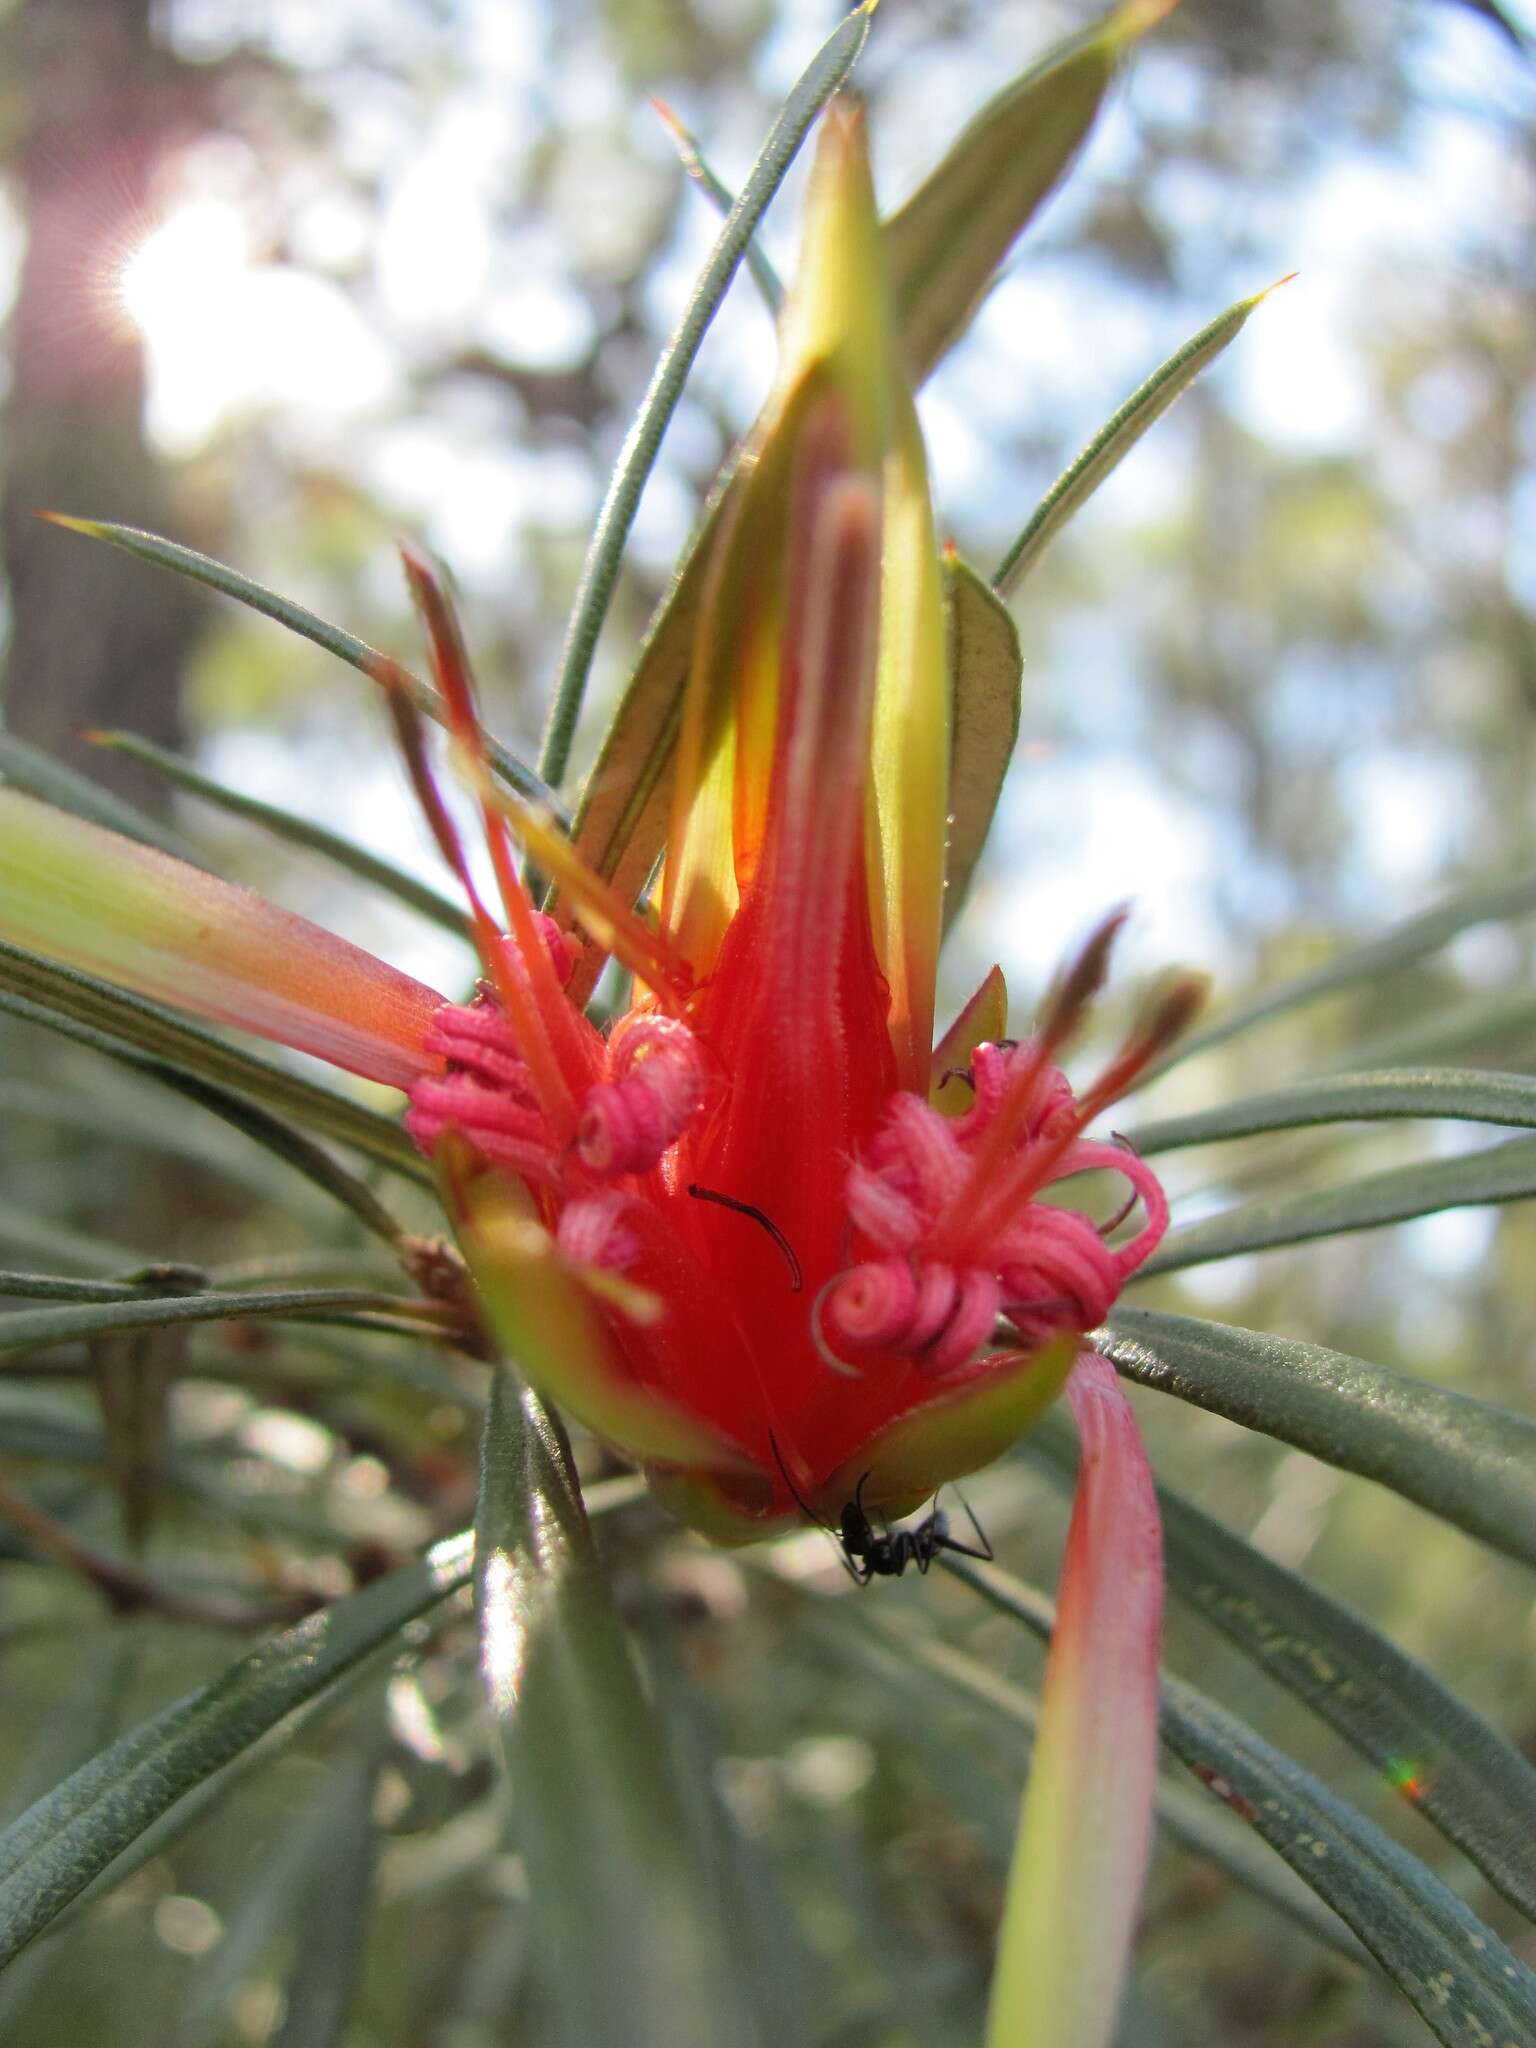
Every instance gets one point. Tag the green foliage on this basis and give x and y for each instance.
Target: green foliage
(646, 1794)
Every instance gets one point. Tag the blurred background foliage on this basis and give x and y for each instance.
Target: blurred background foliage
(284, 282)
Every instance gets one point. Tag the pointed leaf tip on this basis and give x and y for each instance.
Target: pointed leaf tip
(1136, 18)
(1086, 1829)
(85, 896)
(1258, 298)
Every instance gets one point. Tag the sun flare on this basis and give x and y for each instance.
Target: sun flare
(225, 330)
(194, 254)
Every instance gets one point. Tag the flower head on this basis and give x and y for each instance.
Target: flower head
(787, 1230)
(759, 1235)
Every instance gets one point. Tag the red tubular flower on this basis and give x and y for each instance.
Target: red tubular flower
(783, 1251)
(761, 1237)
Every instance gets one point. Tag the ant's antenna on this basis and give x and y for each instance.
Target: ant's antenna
(810, 1513)
(796, 1277)
(799, 1498)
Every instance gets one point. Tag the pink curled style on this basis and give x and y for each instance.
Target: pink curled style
(655, 1090)
(870, 1306)
(933, 1314)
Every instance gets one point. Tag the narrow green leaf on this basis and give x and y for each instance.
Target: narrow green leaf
(1401, 946)
(297, 831)
(1463, 1982)
(450, 1560)
(87, 1718)
(39, 774)
(319, 1986)
(985, 668)
(128, 1028)
(69, 1287)
(44, 1237)
(1429, 1745)
(1116, 438)
(1455, 1972)
(947, 241)
(54, 1850)
(720, 196)
(296, 1150)
(106, 1664)
(775, 1962)
(1500, 1173)
(1505, 1020)
(1466, 1093)
(139, 1121)
(278, 1896)
(92, 1318)
(1464, 1460)
(815, 86)
(627, 1939)
(916, 1665)
(169, 554)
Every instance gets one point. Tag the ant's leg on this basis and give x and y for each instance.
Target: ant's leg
(986, 1553)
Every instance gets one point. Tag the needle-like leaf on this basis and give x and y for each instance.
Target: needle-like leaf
(58, 1845)
(1465, 1093)
(1430, 1747)
(1453, 1969)
(629, 1942)
(297, 831)
(1402, 946)
(1464, 1460)
(1116, 438)
(1501, 1173)
(130, 1028)
(169, 554)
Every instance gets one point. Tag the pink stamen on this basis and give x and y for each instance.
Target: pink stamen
(654, 1086)
(957, 1255)
(870, 1306)
(971, 1317)
(499, 1126)
(657, 1089)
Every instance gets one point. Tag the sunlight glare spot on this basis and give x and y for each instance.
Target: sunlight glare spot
(201, 249)
(503, 1639)
(223, 332)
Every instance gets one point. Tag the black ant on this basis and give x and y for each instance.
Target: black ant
(871, 1553)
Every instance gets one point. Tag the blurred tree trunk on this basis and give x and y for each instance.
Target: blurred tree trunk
(95, 637)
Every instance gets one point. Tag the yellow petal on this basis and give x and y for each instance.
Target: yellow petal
(835, 363)
(983, 1021)
(719, 1510)
(956, 1430)
(910, 751)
